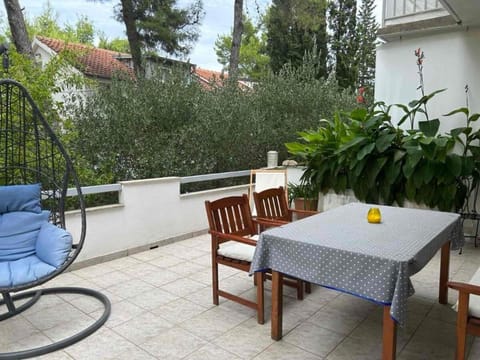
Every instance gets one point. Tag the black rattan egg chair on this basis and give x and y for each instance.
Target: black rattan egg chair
(30, 153)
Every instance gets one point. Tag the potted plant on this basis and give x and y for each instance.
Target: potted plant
(304, 195)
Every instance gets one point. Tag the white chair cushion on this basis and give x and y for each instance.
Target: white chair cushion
(237, 250)
(474, 302)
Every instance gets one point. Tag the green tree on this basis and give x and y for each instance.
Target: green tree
(344, 40)
(253, 62)
(115, 44)
(293, 27)
(367, 28)
(158, 25)
(46, 24)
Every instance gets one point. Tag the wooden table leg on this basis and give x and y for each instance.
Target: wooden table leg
(444, 271)
(277, 304)
(389, 335)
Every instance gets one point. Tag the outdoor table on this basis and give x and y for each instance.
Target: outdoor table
(340, 250)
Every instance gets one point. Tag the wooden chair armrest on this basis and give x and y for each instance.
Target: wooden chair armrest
(464, 287)
(234, 237)
(269, 222)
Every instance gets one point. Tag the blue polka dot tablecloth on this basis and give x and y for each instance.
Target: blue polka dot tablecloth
(341, 250)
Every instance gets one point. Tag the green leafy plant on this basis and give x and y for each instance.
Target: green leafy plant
(384, 163)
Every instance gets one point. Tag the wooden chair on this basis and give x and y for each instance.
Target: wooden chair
(468, 311)
(271, 205)
(233, 244)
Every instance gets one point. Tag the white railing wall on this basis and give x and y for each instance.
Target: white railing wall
(149, 213)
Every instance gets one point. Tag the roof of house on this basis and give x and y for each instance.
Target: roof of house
(93, 61)
(210, 78)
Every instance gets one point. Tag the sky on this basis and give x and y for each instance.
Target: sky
(218, 20)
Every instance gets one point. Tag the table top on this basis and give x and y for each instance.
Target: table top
(340, 249)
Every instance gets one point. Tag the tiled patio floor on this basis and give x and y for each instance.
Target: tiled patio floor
(162, 309)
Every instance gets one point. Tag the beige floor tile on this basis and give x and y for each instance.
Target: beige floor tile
(152, 299)
(123, 263)
(130, 288)
(93, 271)
(314, 339)
(186, 268)
(160, 277)
(15, 329)
(244, 342)
(140, 270)
(285, 351)
(165, 261)
(122, 311)
(357, 349)
(54, 316)
(142, 328)
(103, 344)
(213, 323)
(183, 287)
(175, 343)
(178, 310)
(211, 352)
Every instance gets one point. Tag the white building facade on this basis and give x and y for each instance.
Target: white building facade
(448, 32)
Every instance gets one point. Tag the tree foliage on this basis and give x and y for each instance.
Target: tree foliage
(344, 40)
(126, 133)
(253, 62)
(46, 24)
(367, 28)
(159, 25)
(293, 27)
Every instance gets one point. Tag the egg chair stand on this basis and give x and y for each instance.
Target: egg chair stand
(30, 153)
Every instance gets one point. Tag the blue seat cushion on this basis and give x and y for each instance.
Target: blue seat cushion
(53, 244)
(20, 198)
(23, 271)
(18, 233)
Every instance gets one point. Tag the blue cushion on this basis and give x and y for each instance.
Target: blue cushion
(20, 198)
(18, 233)
(53, 244)
(22, 271)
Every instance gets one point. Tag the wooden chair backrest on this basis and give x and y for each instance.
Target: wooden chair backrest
(230, 215)
(272, 204)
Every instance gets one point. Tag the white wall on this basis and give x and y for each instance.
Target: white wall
(452, 60)
(149, 212)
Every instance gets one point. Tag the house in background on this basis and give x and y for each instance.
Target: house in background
(448, 31)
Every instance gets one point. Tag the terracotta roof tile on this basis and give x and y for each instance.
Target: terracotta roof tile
(93, 61)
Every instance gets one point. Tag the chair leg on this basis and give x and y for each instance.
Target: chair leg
(462, 319)
(308, 287)
(215, 281)
(260, 298)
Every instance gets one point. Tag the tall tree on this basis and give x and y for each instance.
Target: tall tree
(295, 28)
(367, 28)
(18, 27)
(236, 38)
(253, 61)
(344, 40)
(46, 24)
(158, 25)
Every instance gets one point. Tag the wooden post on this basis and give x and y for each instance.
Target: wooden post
(277, 305)
(389, 335)
(444, 271)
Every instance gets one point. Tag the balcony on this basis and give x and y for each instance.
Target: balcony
(156, 270)
(403, 17)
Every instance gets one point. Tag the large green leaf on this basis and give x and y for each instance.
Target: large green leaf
(359, 114)
(462, 110)
(384, 141)
(412, 160)
(454, 164)
(364, 151)
(392, 170)
(373, 170)
(355, 141)
(429, 128)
